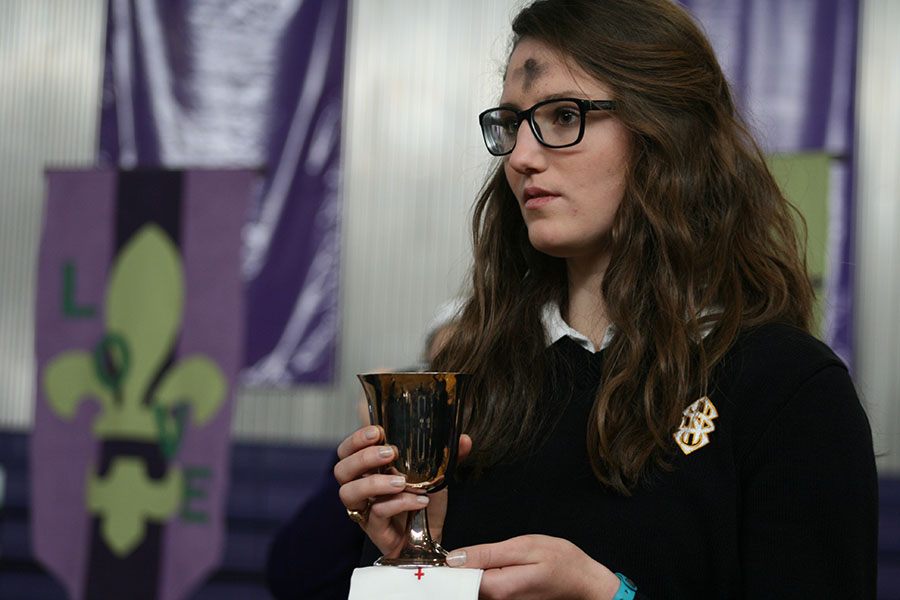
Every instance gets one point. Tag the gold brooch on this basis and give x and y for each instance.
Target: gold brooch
(696, 425)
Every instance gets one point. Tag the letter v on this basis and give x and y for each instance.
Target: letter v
(169, 441)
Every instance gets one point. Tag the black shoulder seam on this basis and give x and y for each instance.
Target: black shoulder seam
(835, 363)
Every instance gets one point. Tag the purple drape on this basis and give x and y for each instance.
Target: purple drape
(220, 83)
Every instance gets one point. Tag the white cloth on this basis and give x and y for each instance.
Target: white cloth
(396, 583)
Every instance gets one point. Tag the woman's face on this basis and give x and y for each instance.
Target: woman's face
(568, 196)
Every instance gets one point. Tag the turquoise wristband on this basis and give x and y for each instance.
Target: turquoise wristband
(626, 588)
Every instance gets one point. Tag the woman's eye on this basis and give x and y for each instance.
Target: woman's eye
(509, 125)
(567, 116)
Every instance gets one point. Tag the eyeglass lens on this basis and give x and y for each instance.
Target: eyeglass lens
(554, 124)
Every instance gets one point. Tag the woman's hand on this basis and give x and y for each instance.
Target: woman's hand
(536, 566)
(380, 497)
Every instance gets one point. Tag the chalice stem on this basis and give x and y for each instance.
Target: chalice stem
(418, 537)
(418, 549)
(419, 546)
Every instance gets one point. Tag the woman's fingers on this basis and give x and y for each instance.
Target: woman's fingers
(359, 455)
(389, 506)
(359, 439)
(378, 500)
(536, 567)
(387, 517)
(355, 494)
(515, 551)
(465, 446)
(363, 461)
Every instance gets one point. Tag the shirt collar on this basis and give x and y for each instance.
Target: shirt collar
(555, 328)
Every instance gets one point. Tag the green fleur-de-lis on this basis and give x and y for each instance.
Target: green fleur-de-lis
(128, 499)
(142, 317)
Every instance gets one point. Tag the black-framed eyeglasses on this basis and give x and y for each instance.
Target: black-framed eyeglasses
(556, 123)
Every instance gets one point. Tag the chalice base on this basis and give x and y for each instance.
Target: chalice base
(412, 562)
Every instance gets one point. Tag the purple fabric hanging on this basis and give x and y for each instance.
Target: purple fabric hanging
(138, 346)
(220, 83)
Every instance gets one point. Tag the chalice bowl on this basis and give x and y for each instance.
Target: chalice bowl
(420, 414)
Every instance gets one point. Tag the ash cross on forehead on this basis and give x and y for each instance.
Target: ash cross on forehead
(532, 71)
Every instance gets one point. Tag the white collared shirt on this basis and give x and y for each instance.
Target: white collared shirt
(555, 328)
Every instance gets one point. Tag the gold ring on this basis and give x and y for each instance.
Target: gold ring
(359, 516)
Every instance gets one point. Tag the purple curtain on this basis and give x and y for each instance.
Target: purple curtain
(222, 83)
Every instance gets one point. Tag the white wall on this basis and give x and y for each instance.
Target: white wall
(878, 225)
(50, 65)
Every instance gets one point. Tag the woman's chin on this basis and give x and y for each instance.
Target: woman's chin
(569, 249)
(550, 247)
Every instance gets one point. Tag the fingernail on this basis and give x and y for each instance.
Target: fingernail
(398, 481)
(423, 500)
(385, 452)
(457, 558)
(371, 433)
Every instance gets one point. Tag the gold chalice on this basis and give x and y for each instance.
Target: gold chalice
(420, 414)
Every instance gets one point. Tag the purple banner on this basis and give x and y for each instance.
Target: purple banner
(793, 65)
(139, 340)
(258, 84)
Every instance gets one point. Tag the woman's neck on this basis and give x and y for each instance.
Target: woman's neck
(586, 308)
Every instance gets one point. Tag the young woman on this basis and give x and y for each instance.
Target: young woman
(647, 400)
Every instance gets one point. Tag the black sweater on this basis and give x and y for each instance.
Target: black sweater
(780, 502)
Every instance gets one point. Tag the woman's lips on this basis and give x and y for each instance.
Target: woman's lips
(536, 197)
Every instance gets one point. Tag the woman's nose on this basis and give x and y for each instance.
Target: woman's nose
(528, 154)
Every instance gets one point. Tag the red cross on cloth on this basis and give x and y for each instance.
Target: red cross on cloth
(414, 583)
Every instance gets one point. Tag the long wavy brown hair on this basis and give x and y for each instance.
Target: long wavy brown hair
(704, 247)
